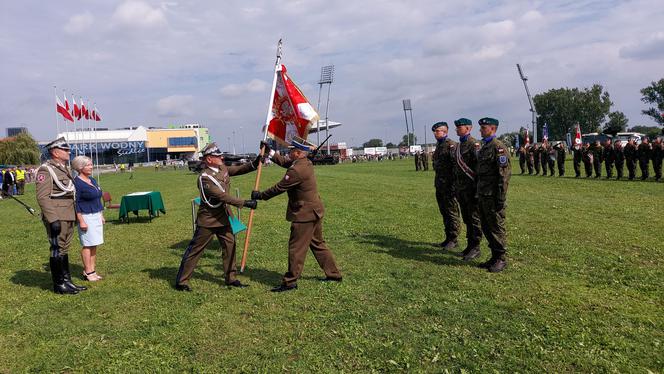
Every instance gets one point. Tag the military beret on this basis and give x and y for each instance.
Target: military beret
(463, 122)
(60, 143)
(438, 124)
(212, 150)
(488, 121)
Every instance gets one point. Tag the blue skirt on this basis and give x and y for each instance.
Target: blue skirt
(94, 235)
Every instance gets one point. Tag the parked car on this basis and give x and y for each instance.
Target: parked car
(590, 138)
(624, 137)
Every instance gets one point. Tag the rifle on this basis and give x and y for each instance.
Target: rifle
(28, 208)
(315, 151)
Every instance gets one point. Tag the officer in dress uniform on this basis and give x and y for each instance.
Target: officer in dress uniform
(213, 216)
(305, 212)
(577, 156)
(609, 157)
(587, 160)
(493, 176)
(657, 157)
(543, 157)
(530, 160)
(561, 154)
(55, 196)
(443, 165)
(620, 158)
(644, 151)
(465, 184)
(598, 154)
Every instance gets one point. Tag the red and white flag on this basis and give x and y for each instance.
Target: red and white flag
(62, 110)
(95, 114)
(66, 102)
(292, 115)
(84, 110)
(577, 138)
(77, 110)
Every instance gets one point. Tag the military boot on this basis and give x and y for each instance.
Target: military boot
(59, 285)
(66, 275)
(498, 266)
(471, 253)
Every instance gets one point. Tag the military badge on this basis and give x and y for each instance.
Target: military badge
(502, 160)
(40, 178)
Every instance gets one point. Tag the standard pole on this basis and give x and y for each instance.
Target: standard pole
(57, 122)
(277, 69)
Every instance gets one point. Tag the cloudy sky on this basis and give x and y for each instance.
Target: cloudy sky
(211, 62)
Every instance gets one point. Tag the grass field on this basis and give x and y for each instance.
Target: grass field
(583, 290)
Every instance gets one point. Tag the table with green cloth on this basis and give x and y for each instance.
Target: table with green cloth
(133, 202)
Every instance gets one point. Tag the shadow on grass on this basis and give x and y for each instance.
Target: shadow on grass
(212, 250)
(132, 220)
(42, 279)
(168, 274)
(411, 250)
(266, 277)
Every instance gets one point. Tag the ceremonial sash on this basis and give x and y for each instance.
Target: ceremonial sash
(466, 170)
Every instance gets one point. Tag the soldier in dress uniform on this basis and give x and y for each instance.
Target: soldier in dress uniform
(597, 151)
(587, 160)
(465, 184)
(443, 166)
(543, 156)
(522, 158)
(493, 176)
(425, 160)
(530, 160)
(55, 196)
(630, 158)
(305, 212)
(561, 154)
(417, 161)
(644, 151)
(577, 157)
(609, 157)
(657, 156)
(551, 159)
(536, 158)
(213, 217)
(619, 157)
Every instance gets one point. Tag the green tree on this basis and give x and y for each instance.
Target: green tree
(373, 143)
(654, 94)
(561, 109)
(20, 150)
(617, 123)
(390, 145)
(509, 138)
(404, 140)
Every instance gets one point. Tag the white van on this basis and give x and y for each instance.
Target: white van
(624, 137)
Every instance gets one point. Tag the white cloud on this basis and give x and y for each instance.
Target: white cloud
(236, 90)
(650, 48)
(175, 106)
(532, 16)
(138, 14)
(79, 23)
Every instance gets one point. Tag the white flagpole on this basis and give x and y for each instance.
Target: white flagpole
(96, 145)
(277, 69)
(89, 134)
(66, 130)
(57, 122)
(76, 120)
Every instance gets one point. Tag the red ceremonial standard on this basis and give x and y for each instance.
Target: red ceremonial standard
(292, 115)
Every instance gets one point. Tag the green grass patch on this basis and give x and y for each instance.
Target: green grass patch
(583, 290)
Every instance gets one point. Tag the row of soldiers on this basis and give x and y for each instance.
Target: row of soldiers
(421, 161)
(472, 177)
(542, 157)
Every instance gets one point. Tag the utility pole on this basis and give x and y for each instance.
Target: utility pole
(530, 101)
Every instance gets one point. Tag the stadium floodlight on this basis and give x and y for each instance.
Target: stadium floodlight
(408, 108)
(326, 77)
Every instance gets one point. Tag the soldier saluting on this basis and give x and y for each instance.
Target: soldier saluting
(213, 216)
(55, 196)
(305, 212)
(493, 176)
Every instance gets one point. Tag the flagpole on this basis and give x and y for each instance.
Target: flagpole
(64, 94)
(89, 134)
(96, 146)
(277, 69)
(57, 123)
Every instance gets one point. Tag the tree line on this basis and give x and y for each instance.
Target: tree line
(19, 150)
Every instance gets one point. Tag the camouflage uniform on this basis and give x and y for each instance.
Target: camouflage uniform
(619, 156)
(443, 166)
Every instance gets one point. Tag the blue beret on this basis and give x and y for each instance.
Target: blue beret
(463, 122)
(438, 124)
(488, 121)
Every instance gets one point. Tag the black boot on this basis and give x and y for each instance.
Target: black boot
(66, 275)
(58, 282)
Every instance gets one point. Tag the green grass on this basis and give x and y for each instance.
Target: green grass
(583, 290)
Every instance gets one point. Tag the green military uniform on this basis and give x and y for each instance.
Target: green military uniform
(597, 151)
(55, 195)
(587, 160)
(493, 175)
(619, 156)
(530, 160)
(417, 161)
(551, 159)
(443, 166)
(561, 154)
(630, 160)
(465, 184)
(522, 158)
(609, 157)
(543, 152)
(536, 158)
(644, 151)
(577, 157)
(657, 157)
(213, 219)
(305, 211)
